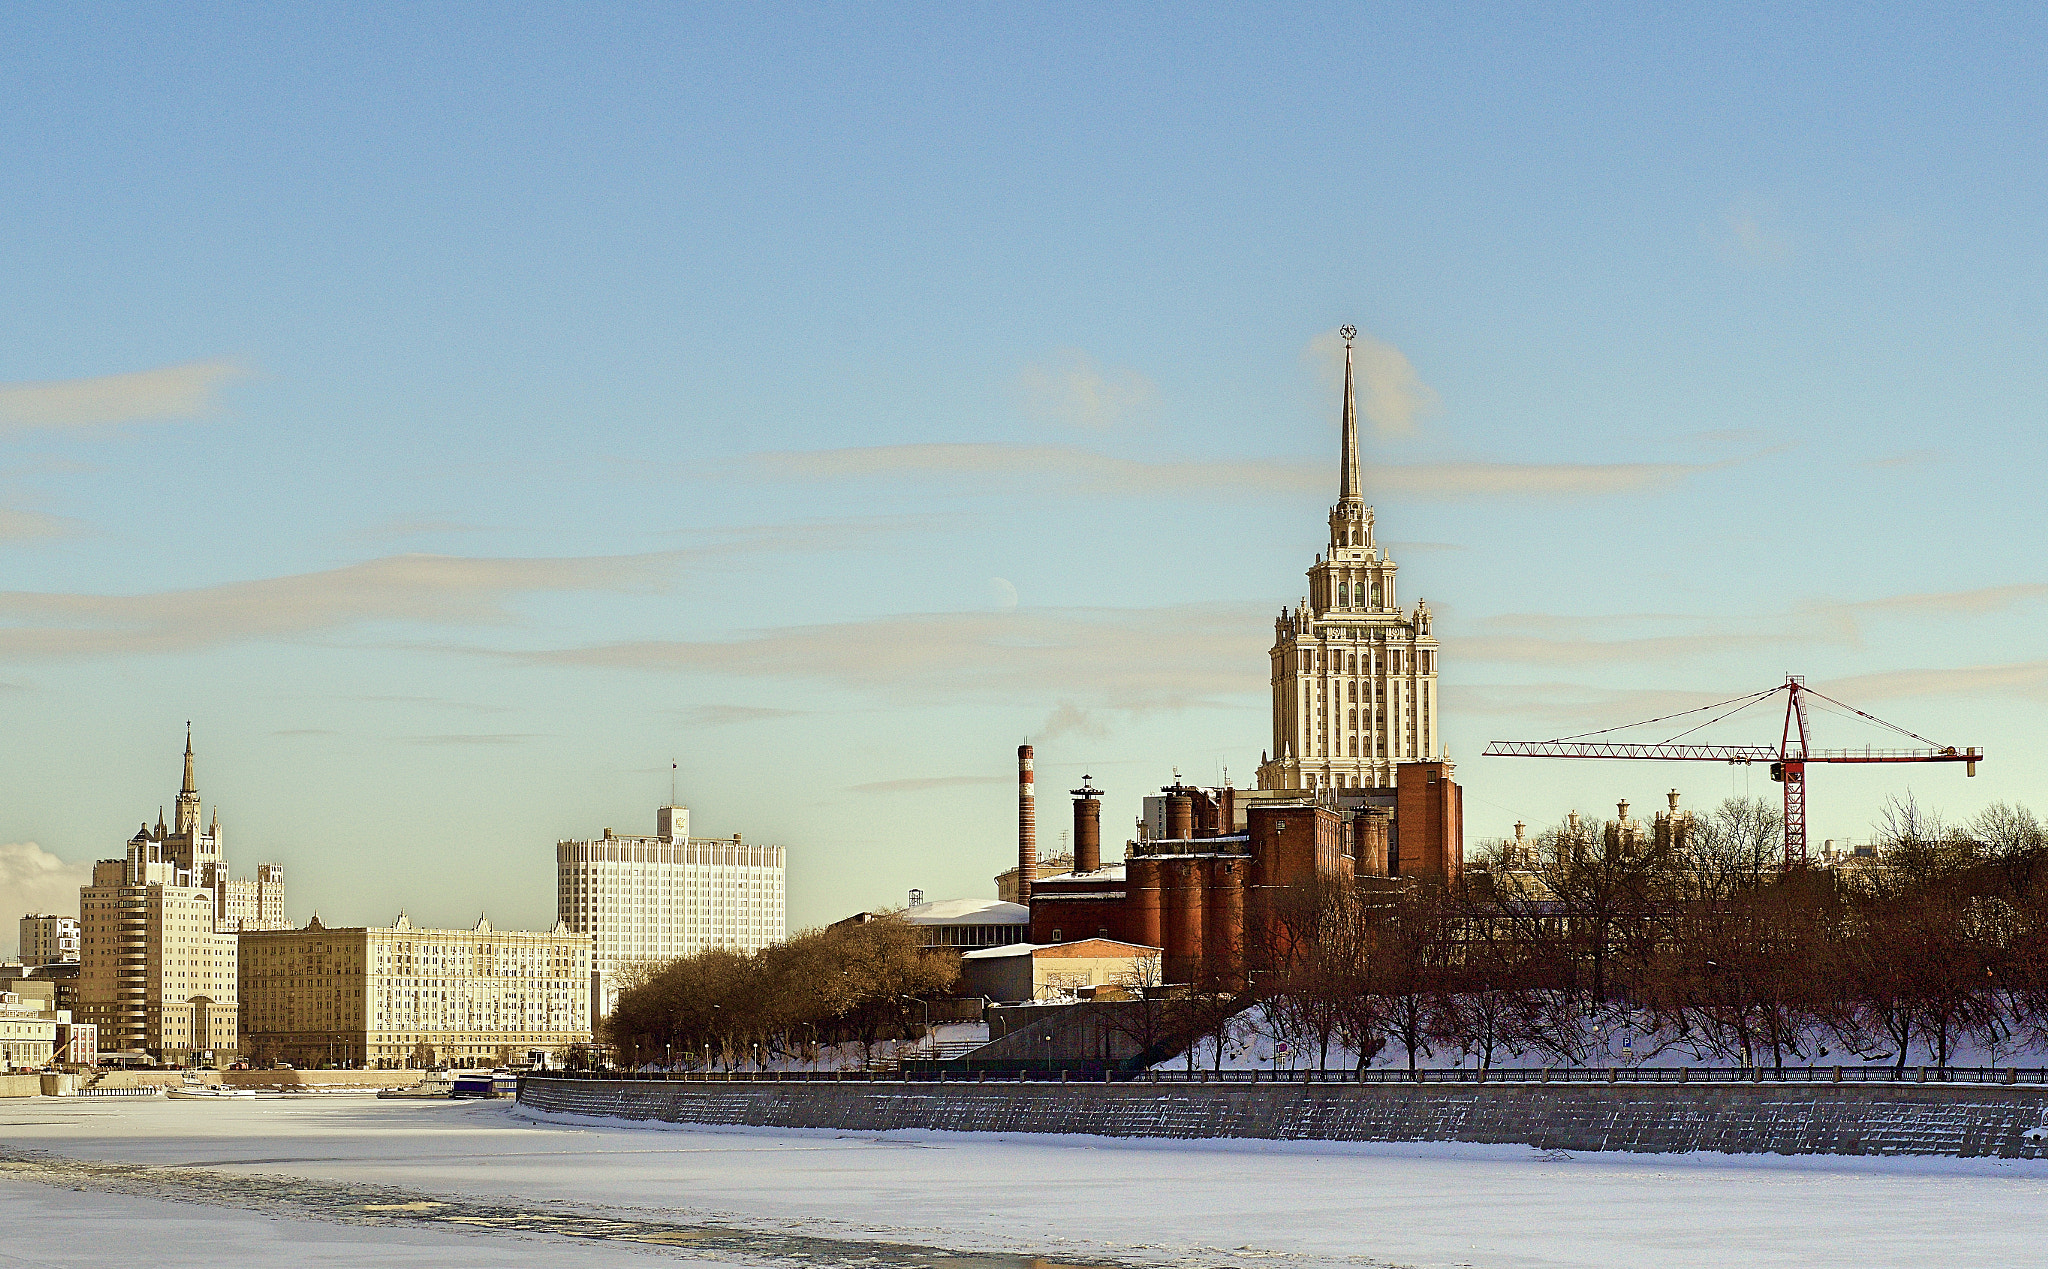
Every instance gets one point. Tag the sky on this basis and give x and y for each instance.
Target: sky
(462, 413)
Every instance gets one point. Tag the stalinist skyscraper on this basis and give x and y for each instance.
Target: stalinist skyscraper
(1354, 676)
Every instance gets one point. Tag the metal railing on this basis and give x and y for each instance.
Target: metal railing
(1092, 1072)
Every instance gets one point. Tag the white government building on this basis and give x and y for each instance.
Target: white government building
(644, 899)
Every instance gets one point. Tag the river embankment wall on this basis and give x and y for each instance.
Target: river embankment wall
(1958, 1121)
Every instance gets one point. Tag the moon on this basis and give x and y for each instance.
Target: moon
(1002, 592)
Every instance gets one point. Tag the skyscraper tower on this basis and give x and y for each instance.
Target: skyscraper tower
(1353, 674)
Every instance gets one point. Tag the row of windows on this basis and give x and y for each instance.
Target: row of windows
(1346, 591)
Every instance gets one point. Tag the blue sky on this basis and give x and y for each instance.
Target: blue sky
(461, 412)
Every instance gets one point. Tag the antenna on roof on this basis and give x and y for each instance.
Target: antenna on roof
(672, 765)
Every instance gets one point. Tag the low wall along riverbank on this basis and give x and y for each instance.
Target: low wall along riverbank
(1942, 1120)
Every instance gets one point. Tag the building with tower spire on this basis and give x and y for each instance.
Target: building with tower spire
(157, 928)
(1354, 675)
(1357, 784)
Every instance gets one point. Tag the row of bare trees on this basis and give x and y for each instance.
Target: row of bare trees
(1696, 940)
(844, 984)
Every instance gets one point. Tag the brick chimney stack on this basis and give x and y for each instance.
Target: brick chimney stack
(1087, 827)
(1027, 825)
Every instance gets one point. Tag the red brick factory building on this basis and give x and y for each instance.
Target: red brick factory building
(1204, 891)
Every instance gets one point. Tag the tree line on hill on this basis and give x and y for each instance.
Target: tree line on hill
(1698, 941)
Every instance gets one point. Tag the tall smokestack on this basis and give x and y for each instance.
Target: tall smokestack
(1027, 825)
(1087, 827)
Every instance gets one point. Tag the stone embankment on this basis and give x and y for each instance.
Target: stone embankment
(1942, 1120)
(276, 1081)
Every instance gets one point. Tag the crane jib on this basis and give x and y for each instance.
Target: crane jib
(1788, 758)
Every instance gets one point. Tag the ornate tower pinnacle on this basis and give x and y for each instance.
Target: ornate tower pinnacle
(1349, 491)
(188, 793)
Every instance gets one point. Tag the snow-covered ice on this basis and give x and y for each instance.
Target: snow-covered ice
(1074, 1201)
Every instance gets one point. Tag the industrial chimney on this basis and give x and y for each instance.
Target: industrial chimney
(1087, 827)
(1180, 812)
(1027, 825)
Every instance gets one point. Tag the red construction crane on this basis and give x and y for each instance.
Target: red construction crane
(1788, 759)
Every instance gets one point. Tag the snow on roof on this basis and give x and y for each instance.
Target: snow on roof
(1026, 949)
(1108, 872)
(967, 912)
(1011, 949)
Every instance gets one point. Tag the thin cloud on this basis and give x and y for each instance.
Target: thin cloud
(1536, 650)
(439, 702)
(1072, 391)
(22, 526)
(1567, 707)
(928, 784)
(434, 589)
(1987, 599)
(2023, 679)
(1635, 638)
(167, 392)
(1390, 394)
(730, 715)
(1124, 658)
(494, 738)
(1085, 472)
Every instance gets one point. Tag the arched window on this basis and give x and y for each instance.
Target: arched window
(1376, 600)
(1343, 595)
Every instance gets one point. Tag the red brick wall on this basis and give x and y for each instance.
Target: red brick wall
(1429, 822)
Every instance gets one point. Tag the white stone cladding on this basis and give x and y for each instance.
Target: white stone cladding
(1354, 676)
(651, 899)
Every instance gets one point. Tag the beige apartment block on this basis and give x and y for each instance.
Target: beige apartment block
(157, 976)
(398, 996)
(47, 939)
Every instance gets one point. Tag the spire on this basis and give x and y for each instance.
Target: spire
(189, 787)
(1350, 491)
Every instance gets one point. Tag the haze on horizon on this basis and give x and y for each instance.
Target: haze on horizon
(460, 419)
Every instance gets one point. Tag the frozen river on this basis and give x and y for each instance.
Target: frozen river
(359, 1182)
